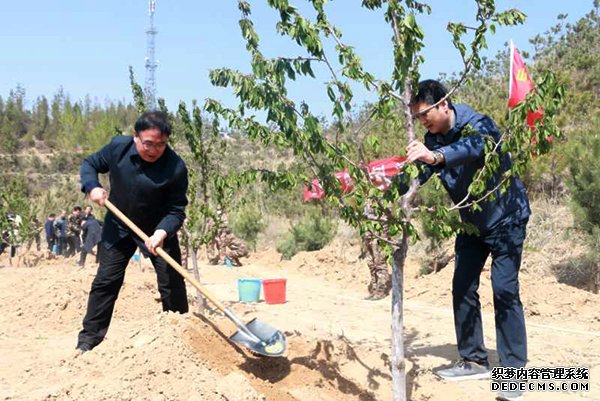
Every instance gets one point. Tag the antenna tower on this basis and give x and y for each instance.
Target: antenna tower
(151, 64)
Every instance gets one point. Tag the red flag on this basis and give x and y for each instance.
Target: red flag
(520, 85)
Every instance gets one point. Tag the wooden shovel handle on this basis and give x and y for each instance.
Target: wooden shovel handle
(161, 252)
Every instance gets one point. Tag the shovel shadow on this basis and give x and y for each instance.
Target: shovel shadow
(270, 369)
(314, 367)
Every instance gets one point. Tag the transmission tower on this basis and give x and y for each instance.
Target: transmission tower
(151, 64)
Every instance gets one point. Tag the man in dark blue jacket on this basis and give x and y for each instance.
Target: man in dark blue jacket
(454, 149)
(148, 183)
(91, 235)
(50, 234)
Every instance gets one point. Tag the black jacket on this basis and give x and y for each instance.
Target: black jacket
(152, 195)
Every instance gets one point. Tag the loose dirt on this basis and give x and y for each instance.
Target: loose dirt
(339, 342)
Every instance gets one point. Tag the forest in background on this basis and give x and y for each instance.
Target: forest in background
(42, 146)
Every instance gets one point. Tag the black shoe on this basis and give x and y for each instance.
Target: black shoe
(84, 347)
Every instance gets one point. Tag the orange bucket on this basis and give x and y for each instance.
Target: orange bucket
(274, 290)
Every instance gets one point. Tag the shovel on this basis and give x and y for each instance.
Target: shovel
(259, 337)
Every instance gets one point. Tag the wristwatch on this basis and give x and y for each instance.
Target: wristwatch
(438, 157)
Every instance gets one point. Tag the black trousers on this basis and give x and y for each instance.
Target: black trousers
(61, 243)
(505, 244)
(84, 253)
(109, 279)
(73, 245)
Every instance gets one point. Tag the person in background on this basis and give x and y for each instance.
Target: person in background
(37, 234)
(225, 246)
(87, 211)
(91, 235)
(4, 235)
(14, 238)
(74, 232)
(60, 230)
(148, 183)
(50, 232)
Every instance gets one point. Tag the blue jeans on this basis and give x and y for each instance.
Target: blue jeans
(505, 244)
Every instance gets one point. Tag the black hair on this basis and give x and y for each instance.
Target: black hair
(430, 92)
(77, 209)
(52, 215)
(153, 120)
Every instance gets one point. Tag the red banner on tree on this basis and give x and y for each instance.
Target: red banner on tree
(313, 191)
(385, 168)
(388, 167)
(345, 180)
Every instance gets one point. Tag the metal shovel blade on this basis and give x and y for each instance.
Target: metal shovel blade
(260, 338)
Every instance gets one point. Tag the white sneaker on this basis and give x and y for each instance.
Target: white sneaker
(465, 370)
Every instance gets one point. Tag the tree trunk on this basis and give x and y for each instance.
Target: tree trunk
(398, 365)
(399, 258)
(199, 296)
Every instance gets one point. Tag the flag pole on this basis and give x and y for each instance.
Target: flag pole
(510, 73)
(510, 68)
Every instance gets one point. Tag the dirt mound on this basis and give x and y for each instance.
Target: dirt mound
(311, 370)
(152, 355)
(338, 262)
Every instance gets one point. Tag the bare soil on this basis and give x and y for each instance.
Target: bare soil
(339, 342)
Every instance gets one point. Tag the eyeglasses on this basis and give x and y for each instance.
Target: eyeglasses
(421, 115)
(153, 145)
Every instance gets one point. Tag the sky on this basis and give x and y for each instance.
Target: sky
(86, 47)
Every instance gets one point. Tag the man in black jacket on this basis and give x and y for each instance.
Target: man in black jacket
(148, 183)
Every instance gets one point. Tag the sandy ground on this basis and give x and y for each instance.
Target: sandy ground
(339, 342)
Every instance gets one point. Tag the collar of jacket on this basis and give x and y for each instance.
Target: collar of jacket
(462, 116)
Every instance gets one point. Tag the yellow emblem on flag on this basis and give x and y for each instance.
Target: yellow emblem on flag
(522, 74)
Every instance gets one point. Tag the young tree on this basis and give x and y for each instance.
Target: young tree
(209, 187)
(15, 120)
(14, 201)
(584, 182)
(292, 124)
(39, 119)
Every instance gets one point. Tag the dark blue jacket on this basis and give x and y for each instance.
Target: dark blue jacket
(91, 233)
(49, 228)
(152, 195)
(60, 227)
(464, 156)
